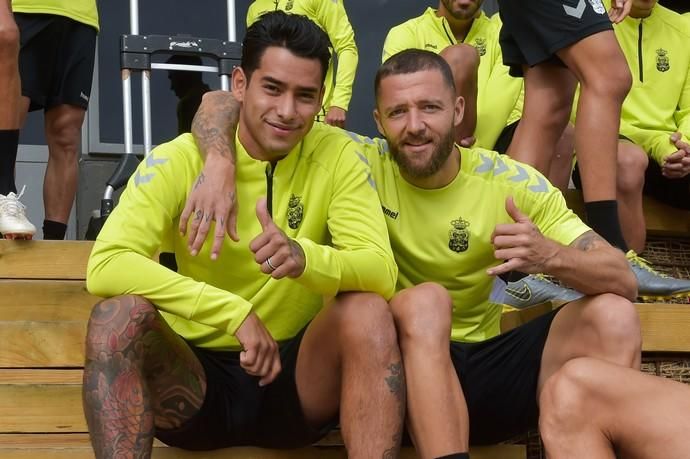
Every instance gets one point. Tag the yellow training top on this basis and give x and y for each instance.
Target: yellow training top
(444, 235)
(83, 11)
(657, 49)
(322, 197)
(498, 92)
(331, 16)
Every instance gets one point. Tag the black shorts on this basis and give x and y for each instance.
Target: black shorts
(534, 30)
(499, 378)
(56, 60)
(237, 412)
(673, 192)
(506, 138)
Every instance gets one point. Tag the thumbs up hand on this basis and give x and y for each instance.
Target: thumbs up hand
(277, 254)
(521, 245)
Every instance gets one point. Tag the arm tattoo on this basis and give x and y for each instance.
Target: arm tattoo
(215, 123)
(396, 384)
(588, 241)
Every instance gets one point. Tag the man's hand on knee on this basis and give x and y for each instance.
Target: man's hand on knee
(259, 356)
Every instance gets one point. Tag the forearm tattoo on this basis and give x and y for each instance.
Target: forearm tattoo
(588, 241)
(215, 123)
(396, 384)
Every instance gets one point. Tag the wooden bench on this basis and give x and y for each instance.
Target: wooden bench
(661, 219)
(44, 308)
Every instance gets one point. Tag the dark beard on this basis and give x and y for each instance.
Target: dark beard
(438, 158)
(464, 14)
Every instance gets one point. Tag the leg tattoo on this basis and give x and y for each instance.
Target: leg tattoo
(396, 384)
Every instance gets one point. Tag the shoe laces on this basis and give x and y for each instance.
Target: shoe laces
(637, 260)
(10, 204)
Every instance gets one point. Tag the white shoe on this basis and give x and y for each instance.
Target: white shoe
(13, 221)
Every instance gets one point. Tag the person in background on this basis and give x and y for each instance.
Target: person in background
(332, 18)
(56, 58)
(189, 87)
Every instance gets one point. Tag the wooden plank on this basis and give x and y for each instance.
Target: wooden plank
(44, 259)
(59, 446)
(660, 219)
(42, 344)
(32, 408)
(40, 377)
(665, 327)
(45, 300)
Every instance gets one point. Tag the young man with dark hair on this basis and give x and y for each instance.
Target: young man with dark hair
(276, 339)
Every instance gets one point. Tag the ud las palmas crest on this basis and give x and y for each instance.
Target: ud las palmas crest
(288, 5)
(295, 212)
(480, 45)
(458, 236)
(662, 62)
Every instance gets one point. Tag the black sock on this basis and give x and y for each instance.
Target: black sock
(456, 456)
(54, 230)
(9, 142)
(602, 217)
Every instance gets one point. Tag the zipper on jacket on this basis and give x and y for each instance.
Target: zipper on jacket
(270, 170)
(639, 51)
(450, 36)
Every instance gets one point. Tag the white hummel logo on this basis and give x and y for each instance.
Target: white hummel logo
(84, 96)
(577, 11)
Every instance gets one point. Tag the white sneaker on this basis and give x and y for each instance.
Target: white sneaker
(13, 221)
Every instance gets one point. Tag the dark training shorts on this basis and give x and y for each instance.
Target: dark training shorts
(499, 378)
(237, 412)
(56, 60)
(534, 30)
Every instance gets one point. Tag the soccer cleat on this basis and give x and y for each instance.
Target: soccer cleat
(653, 285)
(13, 221)
(536, 289)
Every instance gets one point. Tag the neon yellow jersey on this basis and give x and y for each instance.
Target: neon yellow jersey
(444, 235)
(84, 11)
(324, 201)
(331, 16)
(657, 49)
(498, 92)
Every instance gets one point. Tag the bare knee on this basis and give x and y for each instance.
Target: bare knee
(423, 316)
(617, 327)
(364, 321)
(563, 400)
(632, 164)
(611, 83)
(464, 62)
(9, 44)
(115, 323)
(64, 133)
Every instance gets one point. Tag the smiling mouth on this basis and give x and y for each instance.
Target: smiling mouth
(281, 127)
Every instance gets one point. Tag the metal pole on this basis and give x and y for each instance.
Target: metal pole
(225, 82)
(127, 109)
(134, 16)
(146, 108)
(232, 30)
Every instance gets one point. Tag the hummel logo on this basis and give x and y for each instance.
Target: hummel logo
(84, 96)
(430, 45)
(523, 293)
(389, 213)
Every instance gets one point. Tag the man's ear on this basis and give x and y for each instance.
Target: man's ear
(239, 83)
(377, 118)
(459, 110)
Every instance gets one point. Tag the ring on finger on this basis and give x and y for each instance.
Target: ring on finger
(269, 264)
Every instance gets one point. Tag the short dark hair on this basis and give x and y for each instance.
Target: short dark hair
(412, 61)
(297, 33)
